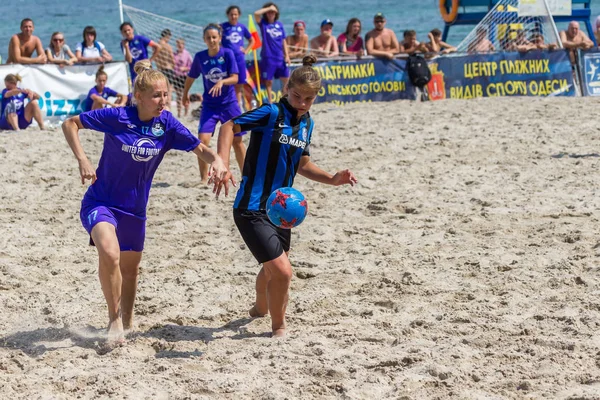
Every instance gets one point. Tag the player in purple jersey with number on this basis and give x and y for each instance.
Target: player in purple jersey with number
(113, 210)
(219, 72)
(233, 39)
(98, 95)
(135, 47)
(14, 113)
(274, 56)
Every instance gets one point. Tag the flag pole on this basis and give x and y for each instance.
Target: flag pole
(257, 74)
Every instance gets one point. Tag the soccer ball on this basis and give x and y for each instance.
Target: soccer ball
(286, 208)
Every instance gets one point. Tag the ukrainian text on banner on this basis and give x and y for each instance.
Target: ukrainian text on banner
(534, 73)
(590, 71)
(356, 81)
(62, 90)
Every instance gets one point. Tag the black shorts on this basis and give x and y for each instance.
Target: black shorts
(265, 240)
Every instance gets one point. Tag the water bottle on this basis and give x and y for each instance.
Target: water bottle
(253, 104)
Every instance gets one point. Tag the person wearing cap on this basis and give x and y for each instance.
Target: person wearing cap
(298, 42)
(381, 41)
(325, 44)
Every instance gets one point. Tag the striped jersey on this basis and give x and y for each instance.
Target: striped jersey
(278, 140)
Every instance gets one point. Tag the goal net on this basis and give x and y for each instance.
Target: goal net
(513, 25)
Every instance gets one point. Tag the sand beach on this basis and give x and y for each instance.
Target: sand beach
(464, 265)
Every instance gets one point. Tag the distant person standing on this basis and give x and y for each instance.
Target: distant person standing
(218, 68)
(573, 39)
(481, 43)
(14, 113)
(350, 41)
(135, 47)
(22, 45)
(233, 39)
(59, 52)
(90, 50)
(183, 64)
(274, 56)
(381, 41)
(325, 44)
(298, 42)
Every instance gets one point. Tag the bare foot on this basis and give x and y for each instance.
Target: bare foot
(254, 313)
(115, 333)
(278, 333)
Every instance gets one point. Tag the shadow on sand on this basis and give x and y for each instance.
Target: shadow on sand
(39, 341)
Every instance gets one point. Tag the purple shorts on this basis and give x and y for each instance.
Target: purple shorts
(270, 69)
(240, 60)
(131, 229)
(212, 115)
(23, 123)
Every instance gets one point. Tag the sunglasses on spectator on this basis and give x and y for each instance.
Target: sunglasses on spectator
(58, 39)
(379, 21)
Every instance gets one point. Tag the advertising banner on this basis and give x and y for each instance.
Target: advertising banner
(63, 89)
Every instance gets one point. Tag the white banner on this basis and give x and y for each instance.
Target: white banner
(534, 8)
(63, 90)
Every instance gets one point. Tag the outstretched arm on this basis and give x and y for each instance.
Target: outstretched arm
(71, 129)
(310, 171)
(226, 133)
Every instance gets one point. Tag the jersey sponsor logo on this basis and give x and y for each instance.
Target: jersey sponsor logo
(215, 75)
(142, 150)
(234, 37)
(274, 32)
(284, 139)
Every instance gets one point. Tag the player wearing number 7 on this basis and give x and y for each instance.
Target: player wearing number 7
(113, 210)
(278, 149)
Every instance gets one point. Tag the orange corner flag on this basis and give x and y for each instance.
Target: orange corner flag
(254, 33)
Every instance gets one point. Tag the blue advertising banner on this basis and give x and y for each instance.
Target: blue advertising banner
(356, 81)
(534, 73)
(589, 64)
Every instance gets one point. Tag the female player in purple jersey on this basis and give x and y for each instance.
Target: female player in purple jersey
(219, 72)
(274, 56)
(14, 113)
(113, 210)
(98, 95)
(233, 38)
(279, 148)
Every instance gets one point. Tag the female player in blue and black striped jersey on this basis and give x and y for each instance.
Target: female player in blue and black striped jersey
(279, 148)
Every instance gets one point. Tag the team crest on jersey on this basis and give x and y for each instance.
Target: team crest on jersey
(304, 134)
(221, 60)
(158, 129)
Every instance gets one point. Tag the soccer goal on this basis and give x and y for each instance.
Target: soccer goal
(513, 25)
(153, 25)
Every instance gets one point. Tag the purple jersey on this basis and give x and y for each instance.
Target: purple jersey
(138, 47)
(233, 37)
(273, 36)
(132, 151)
(214, 69)
(17, 104)
(108, 92)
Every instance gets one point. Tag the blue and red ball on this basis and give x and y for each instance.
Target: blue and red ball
(287, 207)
